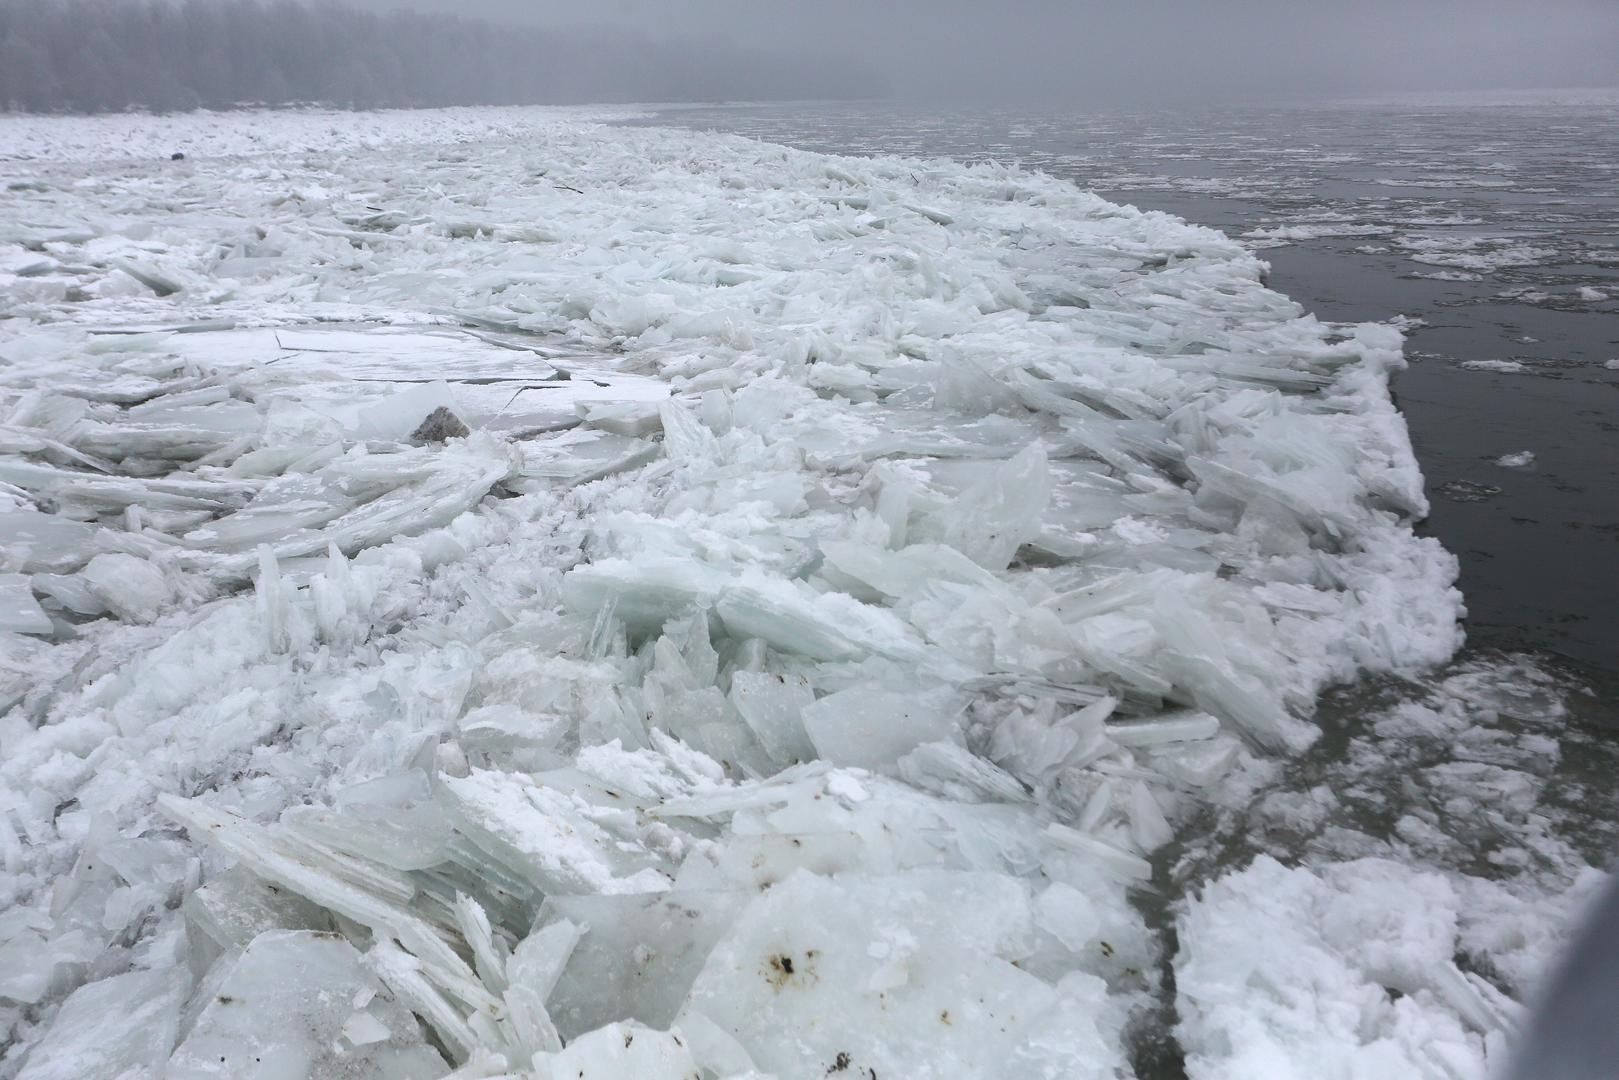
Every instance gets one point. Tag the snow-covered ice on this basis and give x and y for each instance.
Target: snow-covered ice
(1311, 995)
(852, 573)
(1403, 950)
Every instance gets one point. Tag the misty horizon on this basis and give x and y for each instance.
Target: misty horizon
(1154, 52)
(108, 55)
(175, 55)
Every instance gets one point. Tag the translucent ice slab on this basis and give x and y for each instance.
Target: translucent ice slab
(20, 613)
(302, 1005)
(122, 1026)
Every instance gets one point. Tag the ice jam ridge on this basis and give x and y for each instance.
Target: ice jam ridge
(822, 586)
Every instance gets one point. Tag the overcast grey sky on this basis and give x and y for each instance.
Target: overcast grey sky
(1138, 49)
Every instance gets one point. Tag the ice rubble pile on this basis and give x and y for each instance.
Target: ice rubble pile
(139, 469)
(1349, 934)
(797, 685)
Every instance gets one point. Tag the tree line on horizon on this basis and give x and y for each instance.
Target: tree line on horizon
(170, 55)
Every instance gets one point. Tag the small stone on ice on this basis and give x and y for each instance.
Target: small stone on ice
(440, 425)
(399, 415)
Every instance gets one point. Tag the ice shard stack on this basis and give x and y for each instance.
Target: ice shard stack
(484, 594)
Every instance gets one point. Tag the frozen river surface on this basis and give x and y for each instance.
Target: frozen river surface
(488, 591)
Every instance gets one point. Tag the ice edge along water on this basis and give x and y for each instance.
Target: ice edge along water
(853, 570)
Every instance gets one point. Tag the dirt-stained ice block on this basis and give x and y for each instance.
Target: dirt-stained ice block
(806, 968)
(755, 862)
(619, 1052)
